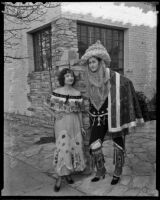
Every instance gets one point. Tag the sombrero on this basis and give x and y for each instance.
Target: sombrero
(97, 50)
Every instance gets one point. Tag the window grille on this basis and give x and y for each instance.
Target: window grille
(42, 49)
(111, 38)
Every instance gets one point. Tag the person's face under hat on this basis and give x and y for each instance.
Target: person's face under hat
(93, 64)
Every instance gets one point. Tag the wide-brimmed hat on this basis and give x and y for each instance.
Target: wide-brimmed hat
(97, 50)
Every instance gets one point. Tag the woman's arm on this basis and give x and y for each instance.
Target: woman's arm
(81, 124)
(80, 119)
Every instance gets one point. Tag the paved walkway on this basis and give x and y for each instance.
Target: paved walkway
(138, 179)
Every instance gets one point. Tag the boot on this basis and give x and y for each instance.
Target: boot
(98, 158)
(119, 161)
(57, 184)
(69, 179)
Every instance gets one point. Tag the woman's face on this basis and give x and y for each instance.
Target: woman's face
(93, 64)
(68, 78)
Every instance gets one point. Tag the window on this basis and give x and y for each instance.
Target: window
(42, 49)
(111, 38)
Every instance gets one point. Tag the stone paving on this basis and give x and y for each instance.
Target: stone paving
(21, 179)
(139, 173)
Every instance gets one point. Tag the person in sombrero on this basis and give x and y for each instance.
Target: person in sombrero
(113, 108)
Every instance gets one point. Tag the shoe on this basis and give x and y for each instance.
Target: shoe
(69, 180)
(115, 180)
(96, 178)
(57, 186)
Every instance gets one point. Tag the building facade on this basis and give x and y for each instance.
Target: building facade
(128, 30)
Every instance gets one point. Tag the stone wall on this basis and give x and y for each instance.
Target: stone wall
(64, 38)
(40, 88)
(29, 120)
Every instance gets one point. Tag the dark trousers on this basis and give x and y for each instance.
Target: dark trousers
(118, 158)
(98, 132)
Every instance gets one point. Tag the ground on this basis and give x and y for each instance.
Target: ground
(22, 176)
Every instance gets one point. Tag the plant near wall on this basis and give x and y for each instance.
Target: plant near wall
(152, 106)
(143, 102)
(148, 106)
(153, 100)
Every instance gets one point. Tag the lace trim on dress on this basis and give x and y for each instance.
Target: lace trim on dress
(66, 103)
(65, 98)
(70, 96)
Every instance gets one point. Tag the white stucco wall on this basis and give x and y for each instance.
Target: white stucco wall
(15, 73)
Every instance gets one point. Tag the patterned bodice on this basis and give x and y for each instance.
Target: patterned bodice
(66, 103)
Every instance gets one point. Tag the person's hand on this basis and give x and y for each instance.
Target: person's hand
(83, 131)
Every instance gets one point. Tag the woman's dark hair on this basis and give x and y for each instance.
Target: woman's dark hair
(61, 77)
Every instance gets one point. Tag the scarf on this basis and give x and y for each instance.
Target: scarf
(98, 85)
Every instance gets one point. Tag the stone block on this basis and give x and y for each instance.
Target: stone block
(127, 170)
(142, 168)
(132, 192)
(32, 151)
(151, 184)
(140, 181)
(97, 188)
(118, 190)
(62, 21)
(153, 193)
(48, 147)
(125, 180)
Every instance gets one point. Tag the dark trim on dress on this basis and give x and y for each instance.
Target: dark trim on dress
(67, 96)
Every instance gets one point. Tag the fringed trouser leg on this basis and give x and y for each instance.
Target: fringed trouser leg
(118, 159)
(98, 159)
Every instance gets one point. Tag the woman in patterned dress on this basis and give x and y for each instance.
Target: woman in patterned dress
(66, 102)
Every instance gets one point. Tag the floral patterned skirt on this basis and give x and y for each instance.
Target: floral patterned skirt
(69, 153)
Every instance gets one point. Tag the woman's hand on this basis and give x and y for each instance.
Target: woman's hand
(83, 131)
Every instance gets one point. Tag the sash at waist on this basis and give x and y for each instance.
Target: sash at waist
(99, 115)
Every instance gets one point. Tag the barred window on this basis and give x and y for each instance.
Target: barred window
(42, 49)
(111, 38)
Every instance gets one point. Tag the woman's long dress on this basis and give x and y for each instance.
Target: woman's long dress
(69, 155)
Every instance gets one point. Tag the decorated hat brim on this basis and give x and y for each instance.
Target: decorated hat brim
(96, 53)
